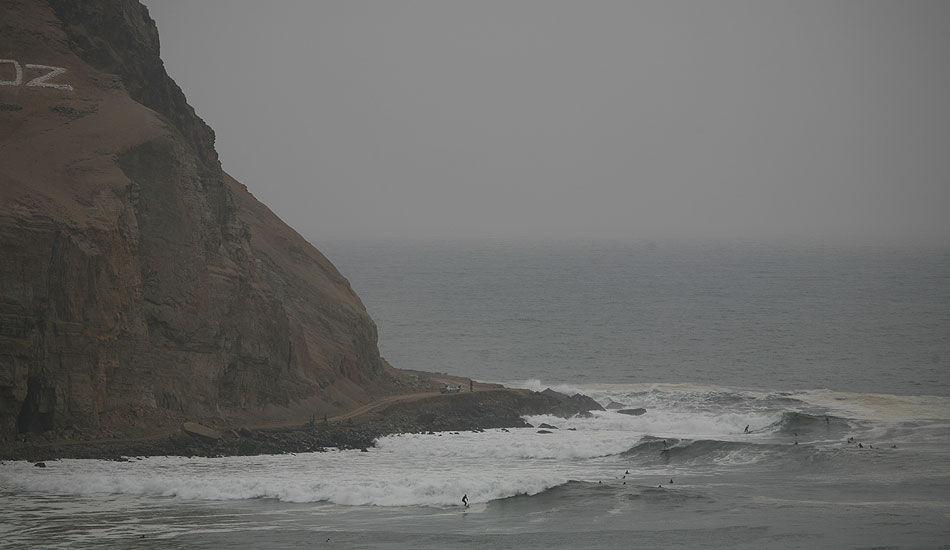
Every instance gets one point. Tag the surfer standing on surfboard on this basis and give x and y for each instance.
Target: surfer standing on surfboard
(465, 500)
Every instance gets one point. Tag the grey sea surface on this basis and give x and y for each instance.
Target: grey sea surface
(860, 319)
(796, 397)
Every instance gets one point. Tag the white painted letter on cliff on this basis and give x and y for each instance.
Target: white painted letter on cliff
(38, 82)
(19, 73)
(41, 81)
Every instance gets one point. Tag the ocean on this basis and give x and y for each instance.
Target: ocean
(795, 397)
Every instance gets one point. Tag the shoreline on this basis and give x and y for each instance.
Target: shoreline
(469, 411)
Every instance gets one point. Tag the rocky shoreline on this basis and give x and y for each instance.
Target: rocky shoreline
(501, 408)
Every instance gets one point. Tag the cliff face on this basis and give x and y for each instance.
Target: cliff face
(140, 285)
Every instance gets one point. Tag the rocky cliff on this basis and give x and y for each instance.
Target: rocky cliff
(140, 285)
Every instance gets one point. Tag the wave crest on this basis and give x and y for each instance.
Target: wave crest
(212, 479)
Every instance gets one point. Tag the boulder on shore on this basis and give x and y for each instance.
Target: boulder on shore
(201, 432)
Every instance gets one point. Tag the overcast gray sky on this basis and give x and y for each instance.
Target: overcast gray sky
(550, 119)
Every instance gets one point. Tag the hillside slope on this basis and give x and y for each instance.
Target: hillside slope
(140, 285)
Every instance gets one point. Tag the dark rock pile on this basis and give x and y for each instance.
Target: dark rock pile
(502, 408)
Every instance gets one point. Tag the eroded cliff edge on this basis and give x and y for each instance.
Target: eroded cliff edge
(140, 285)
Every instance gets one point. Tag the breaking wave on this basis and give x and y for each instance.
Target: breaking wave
(209, 479)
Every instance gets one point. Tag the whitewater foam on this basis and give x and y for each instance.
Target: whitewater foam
(346, 478)
(520, 443)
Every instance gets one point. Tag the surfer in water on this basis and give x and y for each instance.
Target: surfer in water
(465, 500)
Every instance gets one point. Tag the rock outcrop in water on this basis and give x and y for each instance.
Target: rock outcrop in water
(140, 285)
